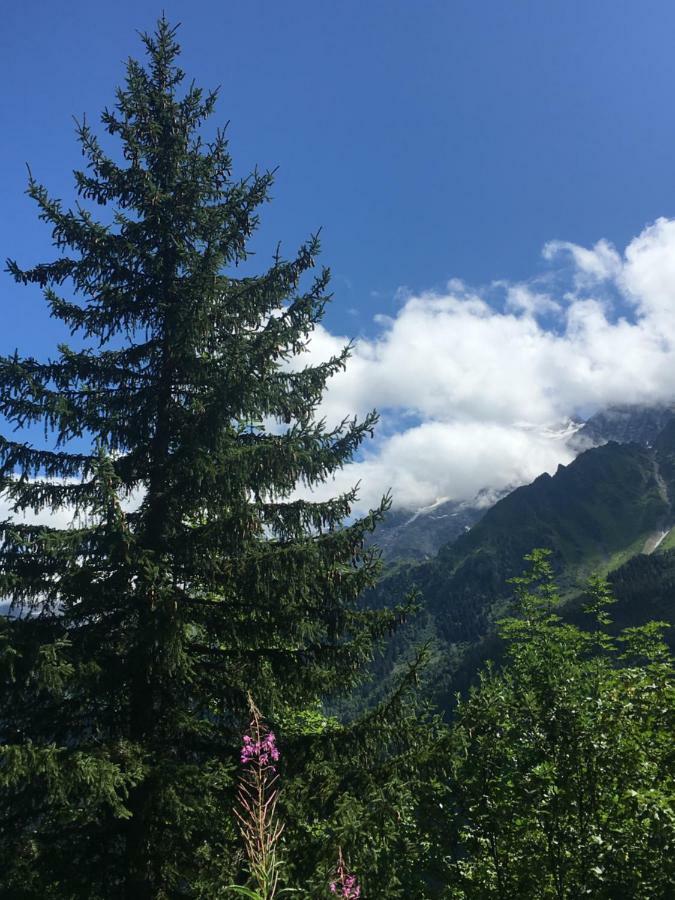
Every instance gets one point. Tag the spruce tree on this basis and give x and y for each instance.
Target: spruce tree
(190, 575)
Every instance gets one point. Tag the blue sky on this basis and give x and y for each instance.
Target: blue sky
(431, 139)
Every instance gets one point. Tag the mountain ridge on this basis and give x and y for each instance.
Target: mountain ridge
(606, 507)
(419, 534)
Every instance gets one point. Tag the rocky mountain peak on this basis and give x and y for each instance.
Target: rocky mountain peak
(624, 423)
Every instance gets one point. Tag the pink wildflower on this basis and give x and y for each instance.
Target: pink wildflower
(256, 806)
(264, 751)
(345, 885)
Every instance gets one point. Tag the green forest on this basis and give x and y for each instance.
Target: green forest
(213, 684)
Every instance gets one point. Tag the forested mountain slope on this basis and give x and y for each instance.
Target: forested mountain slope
(612, 503)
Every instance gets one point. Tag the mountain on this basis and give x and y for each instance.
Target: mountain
(606, 505)
(612, 503)
(627, 423)
(417, 536)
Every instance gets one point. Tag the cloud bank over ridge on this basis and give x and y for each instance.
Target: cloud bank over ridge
(474, 384)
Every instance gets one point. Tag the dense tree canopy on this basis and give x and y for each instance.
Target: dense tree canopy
(563, 764)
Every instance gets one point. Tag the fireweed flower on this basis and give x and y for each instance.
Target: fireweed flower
(256, 805)
(263, 751)
(344, 884)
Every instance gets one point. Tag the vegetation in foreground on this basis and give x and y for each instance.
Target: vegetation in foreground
(559, 766)
(562, 777)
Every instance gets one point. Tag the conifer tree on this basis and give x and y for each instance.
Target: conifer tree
(190, 575)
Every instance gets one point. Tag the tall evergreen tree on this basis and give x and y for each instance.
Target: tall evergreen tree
(135, 635)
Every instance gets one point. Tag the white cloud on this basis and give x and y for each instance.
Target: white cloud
(437, 460)
(469, 391)
(521, 298)
(648, 276)
(600, 263)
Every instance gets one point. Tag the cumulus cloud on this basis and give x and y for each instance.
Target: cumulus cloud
(475, 386)
(600, 263)
(522, 298)
(472, 391)
(449, 460)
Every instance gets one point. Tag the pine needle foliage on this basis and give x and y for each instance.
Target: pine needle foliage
(190, 576)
